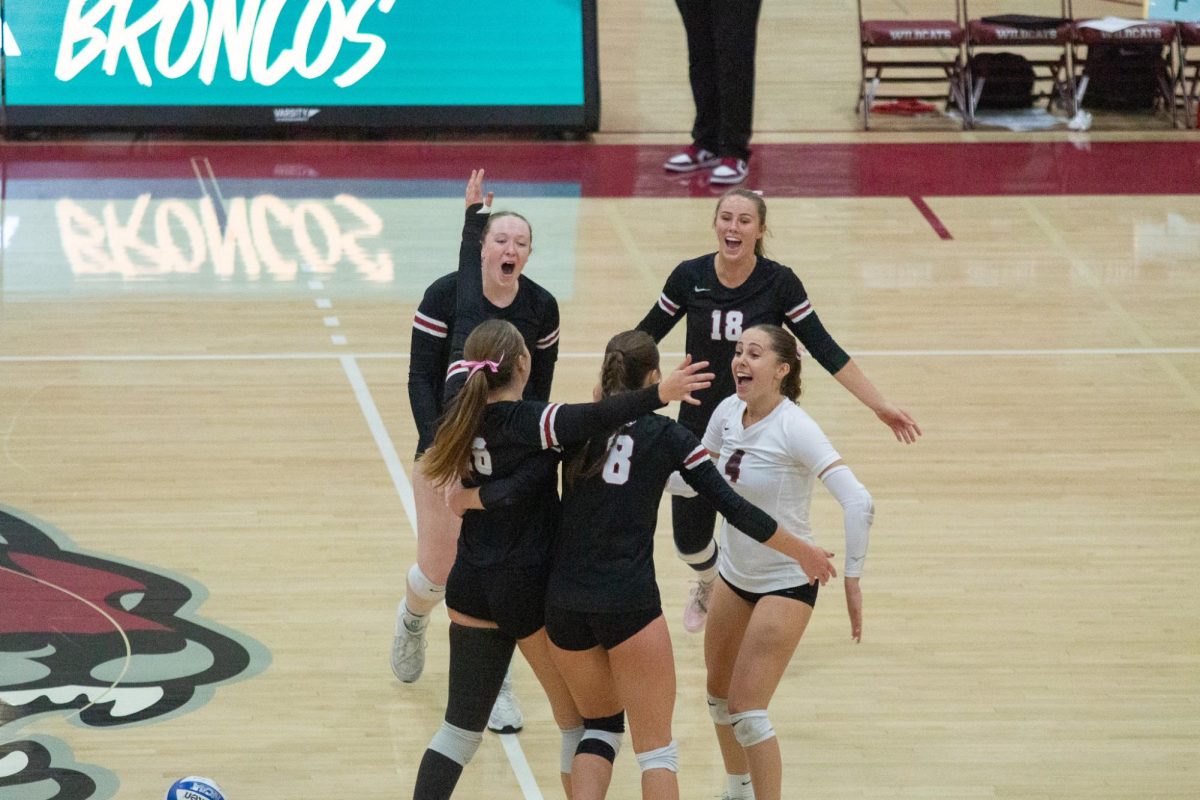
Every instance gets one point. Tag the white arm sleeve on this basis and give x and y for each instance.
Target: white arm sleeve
(859, 511)
(677, 486)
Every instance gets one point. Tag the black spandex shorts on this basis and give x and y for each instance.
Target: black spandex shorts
(513, 598)
(583, 630)
(805, 593)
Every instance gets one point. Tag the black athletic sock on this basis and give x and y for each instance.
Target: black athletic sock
(479, 659)
(437, 777)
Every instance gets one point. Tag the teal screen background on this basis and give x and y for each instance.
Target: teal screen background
(435, 52)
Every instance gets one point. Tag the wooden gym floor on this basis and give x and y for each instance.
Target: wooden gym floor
(205, 441)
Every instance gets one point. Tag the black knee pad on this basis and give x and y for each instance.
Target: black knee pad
(479, 658)
(602, 736)
(693, 520)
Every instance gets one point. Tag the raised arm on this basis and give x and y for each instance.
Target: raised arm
(469, 309)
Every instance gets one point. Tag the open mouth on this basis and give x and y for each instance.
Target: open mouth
(732, 243)
(742, 379)
(508, 267)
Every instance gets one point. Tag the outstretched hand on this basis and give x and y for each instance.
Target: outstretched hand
(475, 190)
(685, 379)
(905, 427)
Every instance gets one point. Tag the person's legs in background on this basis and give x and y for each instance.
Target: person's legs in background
(698, 25)
(736, 43)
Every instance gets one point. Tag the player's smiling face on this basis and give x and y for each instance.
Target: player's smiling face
(738, 227)
(506, 248)
(757, 371)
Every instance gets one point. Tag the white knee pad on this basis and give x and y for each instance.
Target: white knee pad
(718, 709)
(751, 727)
(663, 758)
(424, 588)
(456, 744)
(570, 743)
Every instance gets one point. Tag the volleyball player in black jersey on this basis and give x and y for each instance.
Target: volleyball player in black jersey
(499, 246)
(603, 612)
(495, 594)
(721, 295)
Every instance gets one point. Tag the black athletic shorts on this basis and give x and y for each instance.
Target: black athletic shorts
(805, 593)
(583, 630)
(513, 598)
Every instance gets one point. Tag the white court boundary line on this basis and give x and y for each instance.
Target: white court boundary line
(382, 440)
(933, 353)
(362, 392)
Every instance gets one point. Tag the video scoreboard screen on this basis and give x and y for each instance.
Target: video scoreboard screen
(373, 63)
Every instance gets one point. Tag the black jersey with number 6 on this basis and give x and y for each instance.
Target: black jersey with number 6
(604, 555)
(512, 431)
(717, 315)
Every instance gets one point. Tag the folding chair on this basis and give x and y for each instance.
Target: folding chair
(911, 59)
(1146, 32)
(1044, 41)
(1189, 37)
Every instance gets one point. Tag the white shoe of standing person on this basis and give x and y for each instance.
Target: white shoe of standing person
(506, 714)
(695, 613)
(408, 653)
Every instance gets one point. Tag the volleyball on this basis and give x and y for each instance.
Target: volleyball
(194, 788)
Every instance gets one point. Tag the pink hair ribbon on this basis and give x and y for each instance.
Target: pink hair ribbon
(475, 366)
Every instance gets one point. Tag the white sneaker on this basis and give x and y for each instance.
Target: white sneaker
(691, 159)
(506, 714)
(408, 653)
(695, 613)
(729, 171)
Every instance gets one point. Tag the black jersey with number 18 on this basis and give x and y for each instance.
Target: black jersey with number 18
(717, 314)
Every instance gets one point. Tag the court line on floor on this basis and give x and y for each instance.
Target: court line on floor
(383, 441)
(395, 468)
(931, 217)
(1108, 297)
(932, 353)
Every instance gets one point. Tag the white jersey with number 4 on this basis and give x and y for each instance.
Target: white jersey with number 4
(773, 464)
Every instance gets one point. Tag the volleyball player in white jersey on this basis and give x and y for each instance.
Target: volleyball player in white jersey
(771, 452)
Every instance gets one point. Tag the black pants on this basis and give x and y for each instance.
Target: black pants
(722, 37)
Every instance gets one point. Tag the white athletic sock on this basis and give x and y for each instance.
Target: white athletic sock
(738, 787)
(406, 620)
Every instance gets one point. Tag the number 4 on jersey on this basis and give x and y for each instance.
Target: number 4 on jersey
(733, 467)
